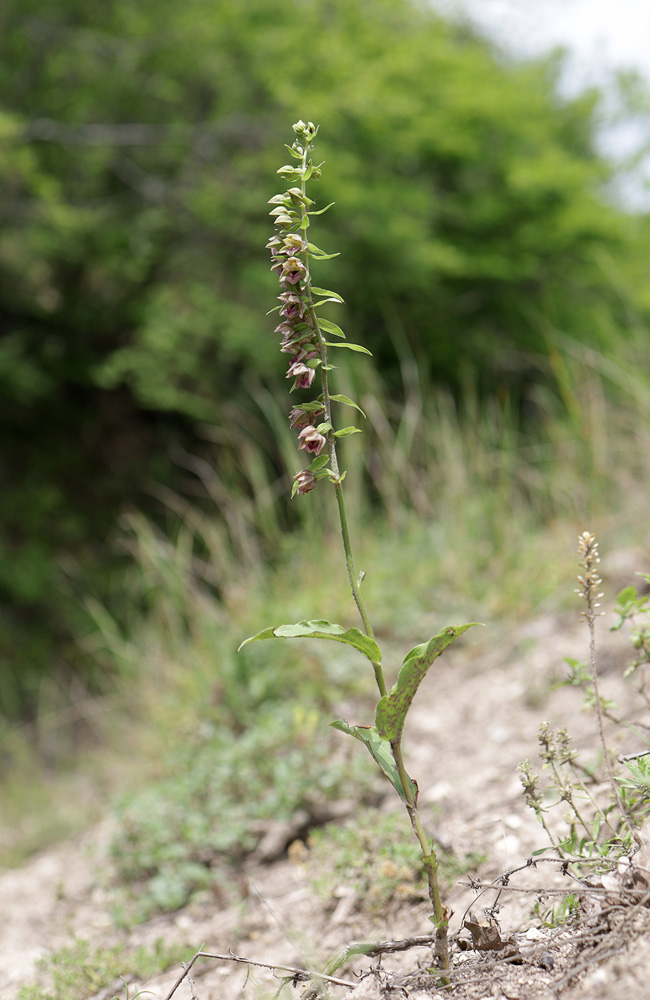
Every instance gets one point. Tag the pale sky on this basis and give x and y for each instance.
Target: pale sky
(601, 36)
(613, 33)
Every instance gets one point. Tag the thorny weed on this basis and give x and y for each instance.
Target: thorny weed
(601, 823)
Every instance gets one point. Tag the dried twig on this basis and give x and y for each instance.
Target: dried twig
(367, 949)
(303, 973)
(404, 944)
(186, 968)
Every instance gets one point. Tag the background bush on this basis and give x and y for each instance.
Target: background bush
(138, 145)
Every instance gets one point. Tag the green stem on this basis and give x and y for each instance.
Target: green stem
(429, 861)
(334, 465)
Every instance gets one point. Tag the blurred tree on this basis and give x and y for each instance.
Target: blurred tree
(138, 144)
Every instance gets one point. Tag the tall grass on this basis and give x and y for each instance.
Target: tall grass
(458, 507)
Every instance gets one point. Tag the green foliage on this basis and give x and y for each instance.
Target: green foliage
(596, 834)
(322, 629)
(579, 675)
(393, 707)
(81, 969)
(634, 608)
(373, 856)
(558, 913)
(135, 150)
(180, 835)
(636, 785)
(380, 750)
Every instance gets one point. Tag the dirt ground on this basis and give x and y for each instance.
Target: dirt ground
(476, 717)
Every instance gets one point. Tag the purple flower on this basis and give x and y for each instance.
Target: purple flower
(311, 440)
(294, 243)
(291, 311)
(297, 344)
(303, 375)
(286, 329)
(292, 305)
(305, 481)
(293, 270)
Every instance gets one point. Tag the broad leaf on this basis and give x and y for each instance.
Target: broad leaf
(346, 431)
(350, 347)
(319, 254)
(329, 327)
(326, 291)
(340, 398)
(379, 749)
(321, 629)
(392, 708)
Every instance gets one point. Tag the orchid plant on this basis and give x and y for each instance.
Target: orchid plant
(302, 331)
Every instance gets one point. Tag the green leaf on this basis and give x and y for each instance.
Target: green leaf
(321, 629)
(380, 750)
(326, 291)
(350, 347)
(340, 398)
(319, 254)
(329, 327)
(392, 708)
(319, 463)
(321, 210)
(315, 406)
(346, 431)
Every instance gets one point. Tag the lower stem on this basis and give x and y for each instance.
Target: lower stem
(430, 862)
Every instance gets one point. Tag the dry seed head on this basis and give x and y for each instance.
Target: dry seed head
(589, 581)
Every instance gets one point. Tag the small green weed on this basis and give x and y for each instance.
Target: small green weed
(81, 969)
(373, 856)
(182, 835)
(559, 913)
(634, 608)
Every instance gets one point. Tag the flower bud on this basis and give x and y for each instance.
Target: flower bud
(305, 481)
(302, 418)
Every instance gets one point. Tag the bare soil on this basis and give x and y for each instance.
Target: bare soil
(475, 718)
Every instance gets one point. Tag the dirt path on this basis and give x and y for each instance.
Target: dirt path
(472, 724)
